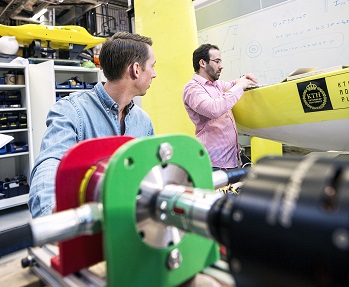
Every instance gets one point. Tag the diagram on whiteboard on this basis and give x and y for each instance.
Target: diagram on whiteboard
(273, 42)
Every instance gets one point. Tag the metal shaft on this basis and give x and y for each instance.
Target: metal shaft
(84, 220)
(186, 208)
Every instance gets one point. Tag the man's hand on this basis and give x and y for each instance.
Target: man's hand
(246, 81)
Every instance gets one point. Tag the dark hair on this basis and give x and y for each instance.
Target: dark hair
(122, 50)
(202, 53)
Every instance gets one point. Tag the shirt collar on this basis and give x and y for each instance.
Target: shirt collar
(202, 80)
(107, 101)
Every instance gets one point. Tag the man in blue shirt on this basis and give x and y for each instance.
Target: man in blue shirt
(108, 109)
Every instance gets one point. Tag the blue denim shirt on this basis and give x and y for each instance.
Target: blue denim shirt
(79, 116)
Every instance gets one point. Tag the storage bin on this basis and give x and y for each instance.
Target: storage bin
(17, 147)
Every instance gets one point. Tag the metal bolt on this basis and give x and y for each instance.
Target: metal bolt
(174, 259)
(165, 152)
(27, 261)
(163, 217)
(163, 205)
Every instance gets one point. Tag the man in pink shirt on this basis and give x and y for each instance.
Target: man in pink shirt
(209, 103)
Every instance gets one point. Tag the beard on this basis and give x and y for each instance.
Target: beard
(212, 73)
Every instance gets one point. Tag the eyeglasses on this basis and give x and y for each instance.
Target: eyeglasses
(217, 61)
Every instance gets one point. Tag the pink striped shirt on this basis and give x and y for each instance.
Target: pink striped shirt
(209, 106)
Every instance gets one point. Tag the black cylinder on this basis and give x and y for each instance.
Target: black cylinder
(15, 239)
(289, 225)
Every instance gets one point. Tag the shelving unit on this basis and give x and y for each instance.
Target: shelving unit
(43, 80)
(16, 163)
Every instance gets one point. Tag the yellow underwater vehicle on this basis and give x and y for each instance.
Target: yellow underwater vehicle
(68, 40)
(310, 112)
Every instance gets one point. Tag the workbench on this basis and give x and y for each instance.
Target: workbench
(12, 274)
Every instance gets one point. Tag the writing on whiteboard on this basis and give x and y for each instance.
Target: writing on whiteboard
(277, 40)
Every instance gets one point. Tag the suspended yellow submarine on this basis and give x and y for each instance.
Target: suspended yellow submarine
(59, 37)
(310, 112)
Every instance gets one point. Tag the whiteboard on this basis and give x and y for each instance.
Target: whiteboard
(275, 41)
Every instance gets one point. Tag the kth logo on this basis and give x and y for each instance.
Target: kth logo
(314, 96)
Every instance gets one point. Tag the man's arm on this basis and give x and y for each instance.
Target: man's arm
(42, 188)
(198, 99)
(60, 135)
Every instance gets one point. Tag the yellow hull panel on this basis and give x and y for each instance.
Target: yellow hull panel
(59, 36)
(294, 111)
